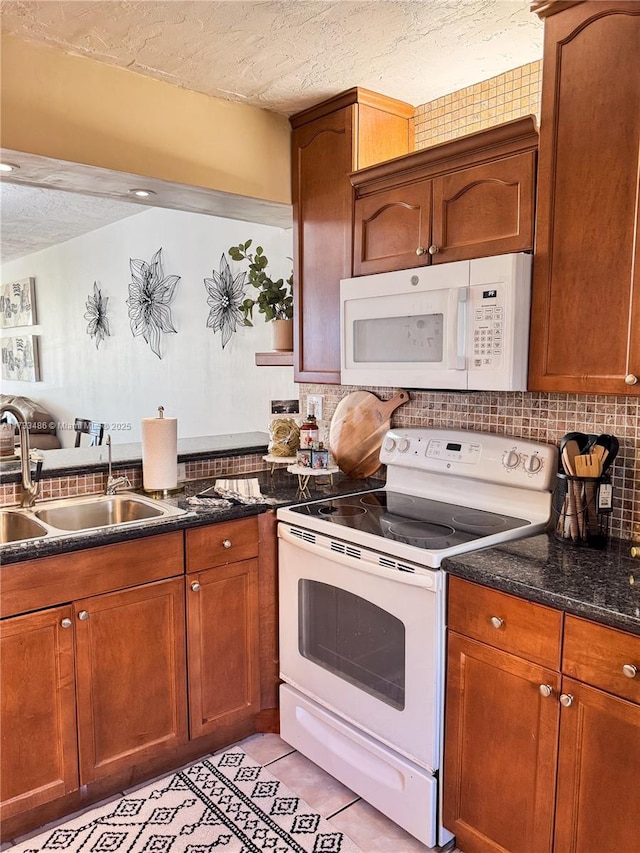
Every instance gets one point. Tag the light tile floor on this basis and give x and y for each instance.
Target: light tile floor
(370, 830)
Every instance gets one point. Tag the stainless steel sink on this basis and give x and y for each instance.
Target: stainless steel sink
(16, 527)
(102, 512)
(76, 515)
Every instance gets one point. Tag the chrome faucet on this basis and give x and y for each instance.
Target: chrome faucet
(30, 484)
(114, 483)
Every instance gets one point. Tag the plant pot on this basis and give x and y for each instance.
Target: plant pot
(282, 335)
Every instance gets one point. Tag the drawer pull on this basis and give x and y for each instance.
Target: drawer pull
(420, 251)
(497, 622)
(546, 690)
(195, 586)
(566, 699)
(226, 543)
(66, 622)
(630, 670)
(83, 615)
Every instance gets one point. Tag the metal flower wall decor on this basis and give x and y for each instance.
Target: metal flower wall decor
(96, 314)
(150, 295)
(226, 295)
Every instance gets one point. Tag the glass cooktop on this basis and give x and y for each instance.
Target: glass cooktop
(420, 522)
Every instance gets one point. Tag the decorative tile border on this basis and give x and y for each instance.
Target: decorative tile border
(92, 484)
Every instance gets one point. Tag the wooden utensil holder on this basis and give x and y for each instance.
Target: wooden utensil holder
(576, 516)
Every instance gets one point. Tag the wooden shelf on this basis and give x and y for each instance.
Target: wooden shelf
(274, 359)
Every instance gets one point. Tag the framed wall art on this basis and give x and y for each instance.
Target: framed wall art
(18, 303)
(20, 358)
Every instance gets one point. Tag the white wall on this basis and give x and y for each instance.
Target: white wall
(210, 390)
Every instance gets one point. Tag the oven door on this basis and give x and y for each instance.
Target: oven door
(363, 640)
(406, 328)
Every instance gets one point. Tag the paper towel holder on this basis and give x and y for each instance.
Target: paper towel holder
(156, 490)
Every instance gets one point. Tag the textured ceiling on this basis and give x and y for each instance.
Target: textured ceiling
(286, 55)
(283, 56)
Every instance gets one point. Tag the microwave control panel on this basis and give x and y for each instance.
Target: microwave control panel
(487, 326)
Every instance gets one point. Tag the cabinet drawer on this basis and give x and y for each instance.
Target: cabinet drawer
(529, 630)
(603, 657)
(219, 544)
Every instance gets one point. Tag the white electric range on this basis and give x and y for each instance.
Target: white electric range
(362, 607)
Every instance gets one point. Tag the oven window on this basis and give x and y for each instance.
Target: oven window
(352, 638)
(418, 338)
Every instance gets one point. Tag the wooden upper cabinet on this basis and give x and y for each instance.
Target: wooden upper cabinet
(39, 755)
(329, 141)
(131, 676)
(468, 198)
(585, 326)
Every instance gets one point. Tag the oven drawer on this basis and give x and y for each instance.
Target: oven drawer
(391, 783)
(531, 631)
(603, 657)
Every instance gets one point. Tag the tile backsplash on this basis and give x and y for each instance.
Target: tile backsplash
(526, 414)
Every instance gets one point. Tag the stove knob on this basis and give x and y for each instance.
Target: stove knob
(389, 444)
(403, 445)
(511, 459)
(533, 464)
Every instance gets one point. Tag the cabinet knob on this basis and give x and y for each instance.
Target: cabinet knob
(195, 586)
(433, 250)
(630, 670)
(497, 622)
(226, 543)
(566, 699)
(421, 251)
(66, 622)
(546, 690)
(83, 615)
(631, 379)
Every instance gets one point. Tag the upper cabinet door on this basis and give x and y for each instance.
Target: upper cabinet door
(485, 210)
(585, 328)
(392, 229)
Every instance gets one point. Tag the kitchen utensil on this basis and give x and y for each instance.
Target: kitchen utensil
(610, 445)
(357, 429)
(570, 450)
(580, 438)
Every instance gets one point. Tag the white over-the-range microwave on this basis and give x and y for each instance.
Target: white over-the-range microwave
(458, 325)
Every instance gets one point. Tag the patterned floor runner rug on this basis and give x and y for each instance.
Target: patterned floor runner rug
(225, 803)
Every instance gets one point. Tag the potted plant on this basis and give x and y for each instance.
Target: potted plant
(274, 299)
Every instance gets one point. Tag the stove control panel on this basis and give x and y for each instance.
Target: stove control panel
(489, 457)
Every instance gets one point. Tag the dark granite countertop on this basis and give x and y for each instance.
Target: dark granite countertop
(601, 585)
(278, 488)
(82, 460)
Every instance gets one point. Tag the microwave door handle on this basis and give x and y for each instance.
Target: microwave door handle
(458, 331)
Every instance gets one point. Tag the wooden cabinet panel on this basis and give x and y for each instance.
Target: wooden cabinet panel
(39, 754)
(597, 799)
(523, 628)
(469, 198)
(46, 582)
(328, 142)
(484, 210)
(392, 229)
(223, 646)
(131, 676)
(602, 656)
(585, 330)
(500, 750)
(218, 544)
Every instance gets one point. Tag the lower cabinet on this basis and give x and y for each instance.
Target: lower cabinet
(131, 676)
(222, 619)
(541, 751)
(120, 681)
(39, 752)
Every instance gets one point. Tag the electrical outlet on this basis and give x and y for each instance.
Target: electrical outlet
(314, 405)
(182, 471)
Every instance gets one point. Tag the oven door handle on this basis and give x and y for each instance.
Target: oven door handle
(368, 564)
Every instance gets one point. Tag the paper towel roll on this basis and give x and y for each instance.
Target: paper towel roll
(159, 454)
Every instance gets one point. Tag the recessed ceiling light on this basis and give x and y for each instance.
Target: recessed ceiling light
(8, 167)
(142, 193)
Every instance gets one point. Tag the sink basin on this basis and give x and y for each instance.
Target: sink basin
(14, 527)
(98, 512)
